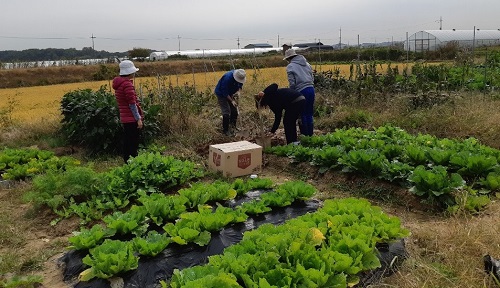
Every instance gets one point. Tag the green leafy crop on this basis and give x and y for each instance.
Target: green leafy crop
(151, 245)
(109, 259)
(328, 248)
(162, 208)
(365, 161)
(435, 184)
(129, 222)
(89, 238)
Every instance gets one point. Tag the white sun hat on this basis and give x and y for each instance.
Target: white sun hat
(289, 53)
(127, 67)
(240, 76)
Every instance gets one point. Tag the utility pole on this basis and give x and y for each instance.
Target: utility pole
(340, 38)
(179, 38)
(92, 37)
(278, 40)
(440, 23)
(238, 42)
(358, 48)
(407, 47)
(473, 43)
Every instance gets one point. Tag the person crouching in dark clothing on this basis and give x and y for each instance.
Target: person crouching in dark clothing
(279, 99)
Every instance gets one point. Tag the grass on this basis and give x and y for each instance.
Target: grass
(447, 252)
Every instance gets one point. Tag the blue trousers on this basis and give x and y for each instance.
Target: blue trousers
(307, 126)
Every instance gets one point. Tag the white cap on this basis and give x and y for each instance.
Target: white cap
(240, 76)
(127, 68)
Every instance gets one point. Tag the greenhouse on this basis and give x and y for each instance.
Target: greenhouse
(431, 40)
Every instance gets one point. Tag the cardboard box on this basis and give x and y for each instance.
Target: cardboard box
(236, 158)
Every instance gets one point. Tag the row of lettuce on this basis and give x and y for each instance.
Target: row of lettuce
(444, 172)
(69, 188)
(187, 217)
(329, 247)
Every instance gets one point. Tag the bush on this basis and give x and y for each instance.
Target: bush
(91, 120)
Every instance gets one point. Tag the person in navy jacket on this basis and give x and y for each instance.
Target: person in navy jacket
(228, 86)
(279, 100)
(131, 114)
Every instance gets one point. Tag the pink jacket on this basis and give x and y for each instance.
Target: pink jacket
(125, 95)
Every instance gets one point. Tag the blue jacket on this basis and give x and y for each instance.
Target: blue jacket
(227, 86)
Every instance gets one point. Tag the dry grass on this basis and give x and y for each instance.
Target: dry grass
(447, 252)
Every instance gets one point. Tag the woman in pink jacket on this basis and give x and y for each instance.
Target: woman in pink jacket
(131, 115)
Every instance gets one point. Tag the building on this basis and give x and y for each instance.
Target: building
(312, 46)
(261, 45)
(431, 40)
(158, 55)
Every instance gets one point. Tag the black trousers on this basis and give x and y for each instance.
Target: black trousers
(292, 114)
(131, 137)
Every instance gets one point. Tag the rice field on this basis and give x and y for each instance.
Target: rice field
(41, 103)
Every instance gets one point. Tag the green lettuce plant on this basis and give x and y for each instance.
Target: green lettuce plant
(254, 207)
(368, 162)
(152, 244)
(89, 238)
(242, 186)
(182, 234)
(132, 221)
(435, 184)
(109, 259)
(162, 208)
(473, 165)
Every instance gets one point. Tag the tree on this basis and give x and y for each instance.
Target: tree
(139, 53)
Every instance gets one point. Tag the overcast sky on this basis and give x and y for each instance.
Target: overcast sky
(119, 26)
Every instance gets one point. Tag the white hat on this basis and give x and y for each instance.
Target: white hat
(289, 53)
(240, 75)
(127, 68)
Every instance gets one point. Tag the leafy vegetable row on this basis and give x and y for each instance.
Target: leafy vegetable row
(20, 164)
(435, 168)
(83, 192)
(108, 257)
(328, 248)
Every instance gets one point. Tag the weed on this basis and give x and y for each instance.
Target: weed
(6, 113)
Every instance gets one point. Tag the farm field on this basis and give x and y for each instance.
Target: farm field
(444, 250)
(43, 101)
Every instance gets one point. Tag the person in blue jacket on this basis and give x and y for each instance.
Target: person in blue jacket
(228, 86)
(301, 79)
(279, 100)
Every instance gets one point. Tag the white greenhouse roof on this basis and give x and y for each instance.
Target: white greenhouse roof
(462, 35)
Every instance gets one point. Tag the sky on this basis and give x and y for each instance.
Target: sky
(119, 26)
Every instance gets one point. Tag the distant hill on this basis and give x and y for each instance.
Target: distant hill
(54, 54)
